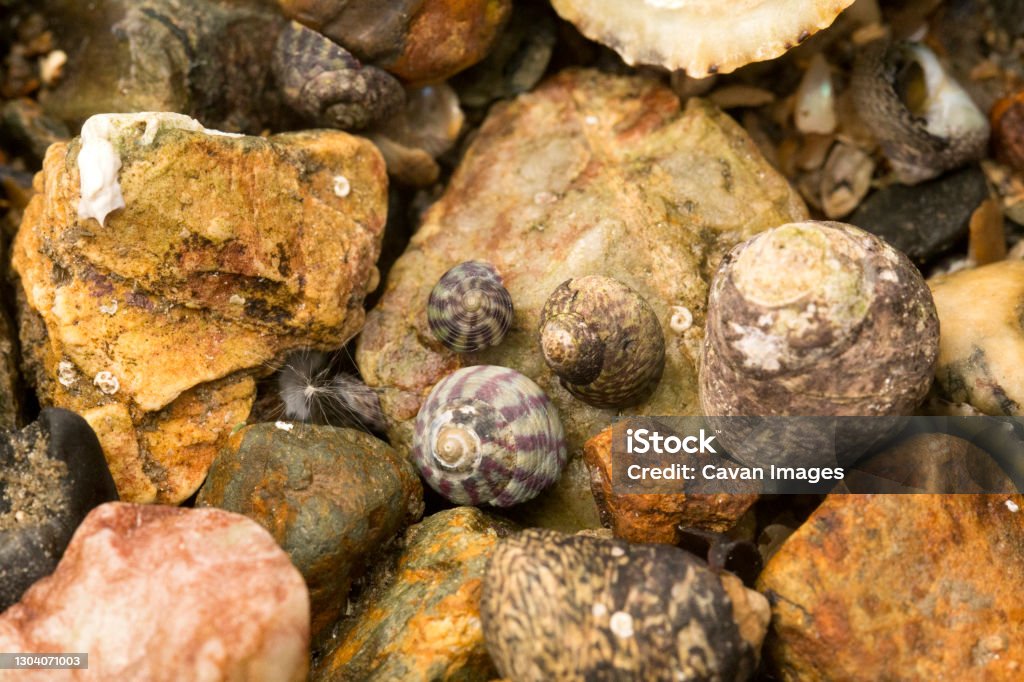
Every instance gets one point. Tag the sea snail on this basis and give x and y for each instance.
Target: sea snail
(469, 308)
(603, 340)
(925, 122)
(817, 319)
(488, 434)
(572, 607)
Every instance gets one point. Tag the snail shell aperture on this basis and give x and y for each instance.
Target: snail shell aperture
(603, 340)
(488, 434)
(925, 122)
(469, 308)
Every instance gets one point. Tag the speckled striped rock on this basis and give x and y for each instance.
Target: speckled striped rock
(564, 607)
(490, 435)
(470, 309)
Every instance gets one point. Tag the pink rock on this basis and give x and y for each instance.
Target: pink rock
(162, 593)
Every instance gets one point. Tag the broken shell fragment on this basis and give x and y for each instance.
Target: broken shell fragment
(488, 434)
(469, 308)
(573, 607)
(703, 37)
(604, 341)
(925, 122)
(326, 84)
(815, 99)
(817, 318)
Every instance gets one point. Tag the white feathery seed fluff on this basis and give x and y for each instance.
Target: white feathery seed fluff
(313, 392)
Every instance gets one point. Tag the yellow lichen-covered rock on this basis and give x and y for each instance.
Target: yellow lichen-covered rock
(152, 320)
(590, 174)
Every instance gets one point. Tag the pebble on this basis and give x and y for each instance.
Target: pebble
(52, 473)
(162, 593)
(330, 497)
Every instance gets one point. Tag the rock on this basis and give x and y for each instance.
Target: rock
(330, 497)
(417, 40)
(979, 313)
(657, 517)
(550, 188)
(52, 473)
(10, 381)
(561, 607)
(208, 59)
(875, 587)
(924, 220)
(231, 252)
(30, 130)
(228, 604)
(420, 619)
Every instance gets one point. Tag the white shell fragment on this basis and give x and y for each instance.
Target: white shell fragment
(815, 99)
(703, 37)
(99, 159)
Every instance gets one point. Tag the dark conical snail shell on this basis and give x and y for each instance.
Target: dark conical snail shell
(604, 341)
(489, 435)
(571, 607)
(469, 308)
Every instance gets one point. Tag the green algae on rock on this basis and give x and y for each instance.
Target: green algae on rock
(590, 174)
(330, 497)
(420, 617)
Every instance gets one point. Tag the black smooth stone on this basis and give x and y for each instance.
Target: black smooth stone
(52, 473)
(924, 220)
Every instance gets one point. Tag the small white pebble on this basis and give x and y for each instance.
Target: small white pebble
(236, 300)
(51, 66)
(617, 551)
(342, 187)
(284, 426)
(1012, 506)
(109, 309)
(621, 624)
(599, 610)
(682, 319)
(66, 374)
(107, 382)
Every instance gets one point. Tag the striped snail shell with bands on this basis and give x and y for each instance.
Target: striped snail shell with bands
(488, 435)
(469, 308)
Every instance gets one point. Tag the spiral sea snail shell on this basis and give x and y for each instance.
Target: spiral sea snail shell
(603, 340)
(488, 434)
(469, 308)
(925, 122)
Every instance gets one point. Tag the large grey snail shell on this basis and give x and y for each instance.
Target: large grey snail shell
(469, 308)
(330, 87)
(572, 607)
(603, 340)
(488, 435)
(924, 120)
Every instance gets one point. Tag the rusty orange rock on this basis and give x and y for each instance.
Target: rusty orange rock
(230, 251)
(656, 517)
(876, 587)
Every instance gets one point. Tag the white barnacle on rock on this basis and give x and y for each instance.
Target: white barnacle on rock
(99, 159)
(682, 319)
(342, 187)
(66, 374)
(236, 300)
(107, 382)
(109, 309)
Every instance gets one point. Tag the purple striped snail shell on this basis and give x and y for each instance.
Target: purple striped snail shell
(488, 435)
(469, 308)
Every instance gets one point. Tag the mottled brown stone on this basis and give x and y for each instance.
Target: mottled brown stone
(164, 594)
(330, 497)
(588, 174)
(656, 517)
(888, 587)
(231, 251)
(420, 619)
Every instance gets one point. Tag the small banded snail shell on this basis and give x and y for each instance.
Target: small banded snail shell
(604, 341)
(488, 434)
(469, 309)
